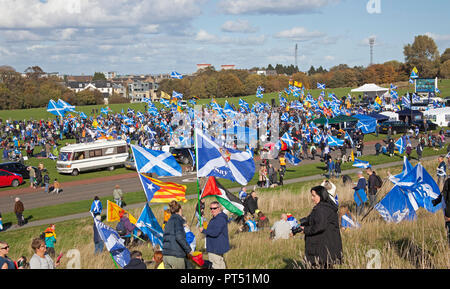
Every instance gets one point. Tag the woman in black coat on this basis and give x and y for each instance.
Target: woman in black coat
(323, 244)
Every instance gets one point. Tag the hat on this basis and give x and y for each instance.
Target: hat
(257, 211)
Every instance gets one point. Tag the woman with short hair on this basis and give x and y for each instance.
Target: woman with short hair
(323, 244)
(40, 259)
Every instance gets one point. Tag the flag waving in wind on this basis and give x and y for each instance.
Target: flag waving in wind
(162, 192)
(158, 162)
(231, 202)
(176, 75)
(148, 225)
(222, 162)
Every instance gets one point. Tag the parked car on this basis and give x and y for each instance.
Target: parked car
(431, 125)
(182, 155)
(396, 126)
(129, 163)
(10, 179)
(18, 168)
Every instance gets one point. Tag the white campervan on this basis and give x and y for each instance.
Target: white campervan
(76, 158)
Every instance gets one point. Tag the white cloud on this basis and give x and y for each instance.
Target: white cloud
(205, 37)
(439, 37)
(150, 29)
(329, 58)
(95, 13)
(240, 26)
(299, 34)
(274, 7)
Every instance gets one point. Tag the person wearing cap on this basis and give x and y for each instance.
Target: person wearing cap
(331, 188)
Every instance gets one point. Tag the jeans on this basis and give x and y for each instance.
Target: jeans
(118, 202)
(98, 247)
(46, 188)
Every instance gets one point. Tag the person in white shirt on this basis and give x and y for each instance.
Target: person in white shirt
(281, 229)
(40, 260)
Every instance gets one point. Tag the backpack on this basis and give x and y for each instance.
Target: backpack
(42, 236)
(379, 182)
(120, 228)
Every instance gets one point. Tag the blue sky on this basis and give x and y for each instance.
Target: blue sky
(151, 36)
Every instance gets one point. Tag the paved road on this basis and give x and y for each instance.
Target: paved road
(233, 190)
(87, 189)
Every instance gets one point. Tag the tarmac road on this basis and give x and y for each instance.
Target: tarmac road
(88, 189)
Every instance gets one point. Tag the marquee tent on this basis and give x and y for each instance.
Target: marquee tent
(371, 90)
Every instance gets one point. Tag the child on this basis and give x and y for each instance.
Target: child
(56, 188)
(158, 259)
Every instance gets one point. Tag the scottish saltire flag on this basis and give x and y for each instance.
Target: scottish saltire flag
(321, 85)
(259, 94)
(243, 103)
(347, 136)
(113, 243)
(422, 187)
(348, 222)
(394, 94)
(104, 110)
(288, 139)
(151, 132)
(221, 162)
(407, 168)
(164, 102)
(437, 90)
(292, 159)
(361, 164)
(415, 98)
(158, 162)
(148, 225)
(400, 146)
(406, 102)
(66, 106)
(139, 114)
(83, 115)
(334, 142)
(396, 206)
(285, 117)
(411, 81)
(393, 86)
(228, 109)
(366, 126)
(176, 75)
(177, 95)
(55, 108)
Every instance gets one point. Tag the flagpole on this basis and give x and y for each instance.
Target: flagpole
(198, 184)
(117, 267)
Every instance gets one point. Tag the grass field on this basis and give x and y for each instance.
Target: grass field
(41, 113)
(420, 244)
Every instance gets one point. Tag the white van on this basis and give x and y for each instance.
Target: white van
(76, 158)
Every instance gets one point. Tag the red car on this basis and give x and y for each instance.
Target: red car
(10, 179)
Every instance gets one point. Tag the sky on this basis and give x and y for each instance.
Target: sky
(77, 37)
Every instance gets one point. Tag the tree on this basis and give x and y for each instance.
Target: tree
(444, 70)
(445, 56)
(98, 76)
(424, 55)
(311, 70)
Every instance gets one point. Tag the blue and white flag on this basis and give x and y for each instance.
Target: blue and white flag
(393, 86)
(321, 85)
(104, 110)
(406, 102)
(55, 108)
(158, 162)
(176, 75)
(415, 98)
(407, 168)
(148, 225)
(400, 146)
(113, 243)
(361, 164)
(348, 222)
(243, 103)
(422, 187)
(164, 102)
(83, 115)
(66, 106)
(334, 142)
(394, 94)
(348, 137)
(288, 139)
(218, 161)
(177, 95)
(396, 206)
(292, 159)
(366, 126)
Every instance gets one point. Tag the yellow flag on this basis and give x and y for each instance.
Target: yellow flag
(291, 82)
(114, 211)
(165, 95)
(353, 156)
(415, 70)
(378, 100)
(95, 123)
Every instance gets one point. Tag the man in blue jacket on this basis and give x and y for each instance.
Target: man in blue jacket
(217, 241)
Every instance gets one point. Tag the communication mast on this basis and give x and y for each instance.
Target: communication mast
(371, 43)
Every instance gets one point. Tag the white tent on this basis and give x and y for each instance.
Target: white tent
(371, 90)
(440, 116)
(392, 115)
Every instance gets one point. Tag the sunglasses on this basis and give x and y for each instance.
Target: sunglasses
(4, 248)
(214, 208)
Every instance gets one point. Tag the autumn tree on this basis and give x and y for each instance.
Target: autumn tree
(424, 55)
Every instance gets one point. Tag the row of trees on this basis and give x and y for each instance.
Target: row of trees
(422, 53)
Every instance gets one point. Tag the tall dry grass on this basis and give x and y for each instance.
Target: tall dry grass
(417, 244)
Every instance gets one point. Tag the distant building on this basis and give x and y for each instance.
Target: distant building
(110, 75)
(79, 78)
(203, 66)
(227, 67)
(137, 90)
(105, 87)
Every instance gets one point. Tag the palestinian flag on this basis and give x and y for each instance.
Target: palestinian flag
(214, 189)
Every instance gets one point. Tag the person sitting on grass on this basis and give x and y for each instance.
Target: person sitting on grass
(262, 221)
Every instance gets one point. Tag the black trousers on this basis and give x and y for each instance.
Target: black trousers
(447, 225)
